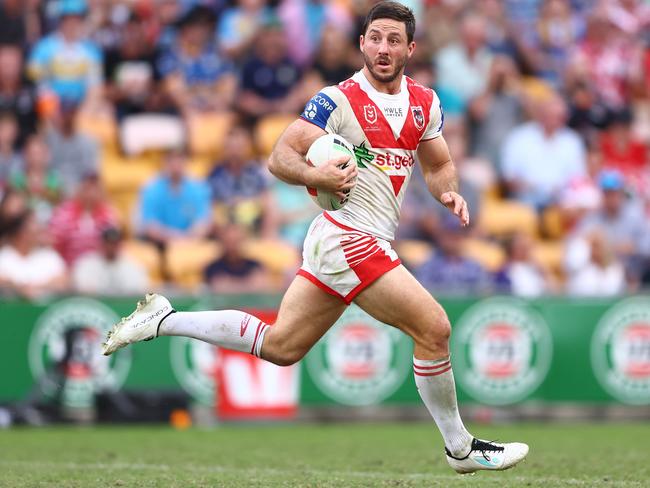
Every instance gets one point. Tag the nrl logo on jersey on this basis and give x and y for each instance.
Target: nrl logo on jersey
(418, 117)
(370, 114)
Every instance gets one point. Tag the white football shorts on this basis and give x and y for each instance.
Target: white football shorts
(343, 261)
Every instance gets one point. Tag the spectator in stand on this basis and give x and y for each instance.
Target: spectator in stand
(233, 272)
(622, 222)
(14, 22)
(334, 61)
(240, 186)
(540, 158)
(238, 26)
(17, 95)
(173, 205)
(132, 78)
(304, 22)
(495, 112)
(521, 275)
(624, 152)
(558, 29)
(448, 271)
(270, 81)
(26, 268)
(464, 66)
(588, 115)
(73, 153)
(196, 76)
(65, 62)
(38, 182)
(602, 275)
(77, 223)
(108, 271)
(10, 160)
(604, 58)
(12, 205)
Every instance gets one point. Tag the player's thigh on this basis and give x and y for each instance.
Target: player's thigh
(305, 314)
(397, 298)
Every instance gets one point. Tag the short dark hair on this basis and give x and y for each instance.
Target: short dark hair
(394, 11)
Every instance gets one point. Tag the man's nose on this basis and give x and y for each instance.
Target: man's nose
(383, 47)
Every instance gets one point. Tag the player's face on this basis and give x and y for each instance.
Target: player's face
(386, 49)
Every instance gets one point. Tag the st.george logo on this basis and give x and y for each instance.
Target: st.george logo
(418, 117)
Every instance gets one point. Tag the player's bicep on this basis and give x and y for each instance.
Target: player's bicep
(299, 136)
(433, 153)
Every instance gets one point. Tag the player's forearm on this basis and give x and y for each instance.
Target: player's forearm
(442, 179)
(289, 166)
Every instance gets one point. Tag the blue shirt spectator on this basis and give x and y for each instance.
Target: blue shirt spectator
(238, 26)
(64, 62)
(448, 271)
(174, 205)
(195, 75)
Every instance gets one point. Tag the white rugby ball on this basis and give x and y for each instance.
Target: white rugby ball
(326, 147)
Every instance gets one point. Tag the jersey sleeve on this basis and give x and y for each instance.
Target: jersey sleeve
(323, 110)
(436, 120)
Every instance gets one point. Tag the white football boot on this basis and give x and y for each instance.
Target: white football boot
(141, 325)
(489, 456)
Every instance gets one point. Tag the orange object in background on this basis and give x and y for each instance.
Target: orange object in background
(180, 419)
(47, 105)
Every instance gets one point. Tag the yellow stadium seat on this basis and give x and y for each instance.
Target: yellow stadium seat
(102, 127)
(276, 256)
(186, 260)
(119, 174)
(413, 252)
(268, 131)
(550, 255)
(553, 223)
(207, 133)
(500, 218)
(147, 255)
(490, 255)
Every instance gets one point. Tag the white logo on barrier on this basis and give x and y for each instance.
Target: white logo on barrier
(360, 361)
(47, 344)
(501, 351)
(620, 351)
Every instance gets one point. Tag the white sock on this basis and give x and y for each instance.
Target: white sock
(230, 329)
(435, 383)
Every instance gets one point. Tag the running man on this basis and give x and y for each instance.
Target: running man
(347, 256)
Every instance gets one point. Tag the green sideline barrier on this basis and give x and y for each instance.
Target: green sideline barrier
(504, 351)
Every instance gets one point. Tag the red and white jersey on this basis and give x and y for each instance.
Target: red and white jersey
(385, 131)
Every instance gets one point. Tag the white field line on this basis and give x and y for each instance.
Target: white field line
(313, 472)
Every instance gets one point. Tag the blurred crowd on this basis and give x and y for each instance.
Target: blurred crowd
(134, 136)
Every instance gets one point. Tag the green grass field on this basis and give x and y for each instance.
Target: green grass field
(342, 455)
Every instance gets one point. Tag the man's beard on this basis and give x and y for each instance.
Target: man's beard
(389, 77)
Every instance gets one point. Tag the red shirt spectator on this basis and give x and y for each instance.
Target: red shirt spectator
(77, 224)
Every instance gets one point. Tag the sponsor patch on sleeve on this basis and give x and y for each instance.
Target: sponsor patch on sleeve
(318, 110)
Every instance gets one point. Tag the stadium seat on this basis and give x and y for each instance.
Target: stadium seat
(552, 223)
(147, 255)
(501, 218)
(207, 133)
(278, 257)
(186, 260)
(144, 132)
(413, 252)
(550, 254)
(490, 255)
(269, 129)
(120, 174)
(102, 127)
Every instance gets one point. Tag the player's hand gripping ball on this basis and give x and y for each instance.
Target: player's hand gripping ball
(322, 150)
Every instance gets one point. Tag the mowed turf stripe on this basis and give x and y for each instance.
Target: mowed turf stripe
(487, 477)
